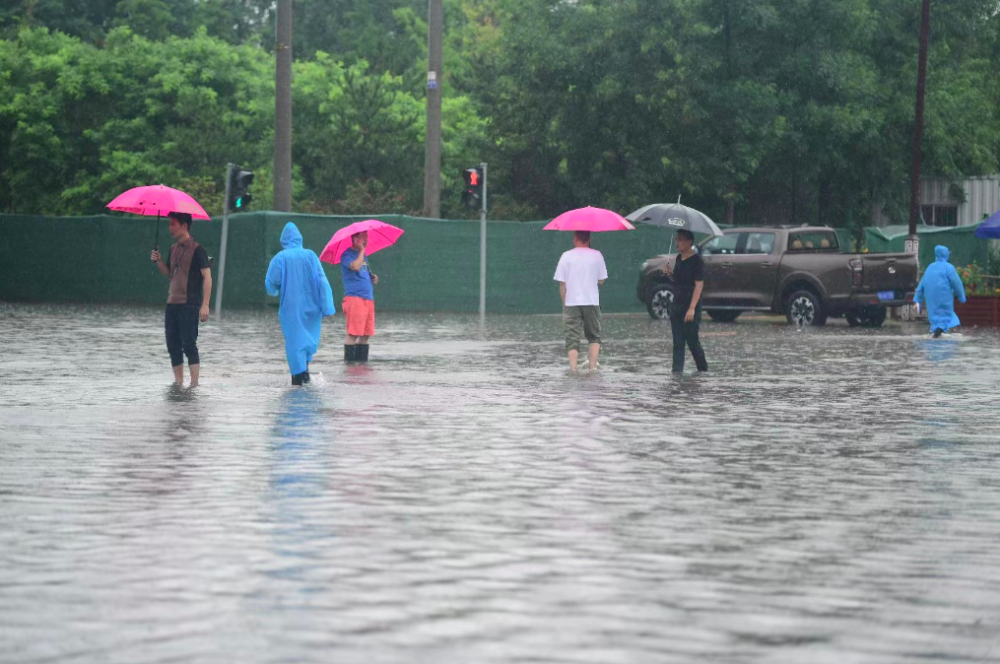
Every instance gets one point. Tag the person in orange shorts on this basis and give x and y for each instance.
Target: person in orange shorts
(359, 299)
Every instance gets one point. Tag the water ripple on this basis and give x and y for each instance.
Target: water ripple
(822, 495)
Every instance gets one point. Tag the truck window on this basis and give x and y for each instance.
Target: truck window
(758, 243)
(813, 241)
(720, 245)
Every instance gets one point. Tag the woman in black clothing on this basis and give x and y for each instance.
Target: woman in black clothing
(688, 274)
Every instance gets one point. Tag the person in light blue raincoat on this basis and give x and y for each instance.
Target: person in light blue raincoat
(938, 290)
(295, 274)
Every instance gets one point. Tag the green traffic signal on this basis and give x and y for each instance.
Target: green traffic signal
(239, 183)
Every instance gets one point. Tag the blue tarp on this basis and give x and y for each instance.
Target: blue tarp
(990, 228)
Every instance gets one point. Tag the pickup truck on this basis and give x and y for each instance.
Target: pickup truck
(799, 271)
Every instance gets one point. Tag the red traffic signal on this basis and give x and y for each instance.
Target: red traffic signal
(473, 177)
(472, 194)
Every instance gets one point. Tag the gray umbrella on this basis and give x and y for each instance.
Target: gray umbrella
(676, 216)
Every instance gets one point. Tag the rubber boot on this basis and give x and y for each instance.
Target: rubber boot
(297, 379)
(350, 353)
(362, 352)
(305, 377)
(938, 332)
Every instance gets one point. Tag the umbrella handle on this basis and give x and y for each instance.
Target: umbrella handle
(156, 242)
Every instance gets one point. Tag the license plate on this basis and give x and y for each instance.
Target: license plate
(887, 295)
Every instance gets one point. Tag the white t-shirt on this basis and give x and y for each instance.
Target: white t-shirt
(580, 269)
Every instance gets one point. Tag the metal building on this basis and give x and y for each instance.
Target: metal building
(946, 202)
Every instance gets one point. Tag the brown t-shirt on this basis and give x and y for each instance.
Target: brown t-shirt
(185, 263)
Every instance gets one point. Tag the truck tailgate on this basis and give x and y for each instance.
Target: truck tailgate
(889, 272)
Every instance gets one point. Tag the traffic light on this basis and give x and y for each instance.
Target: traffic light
(472, 194)
(239, 185)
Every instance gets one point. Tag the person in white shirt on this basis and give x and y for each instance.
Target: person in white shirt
(581, 270)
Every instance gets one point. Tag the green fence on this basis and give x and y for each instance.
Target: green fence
(961, 241)
(433, 267)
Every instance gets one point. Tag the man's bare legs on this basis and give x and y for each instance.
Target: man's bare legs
(594, 350)
(355, 341)
(572, 355)
(179, 374)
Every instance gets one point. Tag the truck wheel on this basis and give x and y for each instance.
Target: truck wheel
(867, 317)
(724, 316)
(661, 299)
(803, 308)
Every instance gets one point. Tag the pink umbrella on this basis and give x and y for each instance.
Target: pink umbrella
(156, 199)
(380, 236)
(589, 219)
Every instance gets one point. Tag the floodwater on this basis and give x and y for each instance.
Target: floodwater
(823, 495)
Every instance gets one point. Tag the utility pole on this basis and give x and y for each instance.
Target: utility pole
(912, 243)
(482, 248)
(918, 129)
(432, 147)
(283, 109)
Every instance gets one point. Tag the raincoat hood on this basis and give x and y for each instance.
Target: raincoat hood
(291, 238)
(941, 253)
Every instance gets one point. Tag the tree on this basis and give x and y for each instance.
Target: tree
(80, 124)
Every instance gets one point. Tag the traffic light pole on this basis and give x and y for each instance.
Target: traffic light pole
(482, 248)
(222, 248)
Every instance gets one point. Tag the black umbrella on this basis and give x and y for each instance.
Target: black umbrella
(676, 216)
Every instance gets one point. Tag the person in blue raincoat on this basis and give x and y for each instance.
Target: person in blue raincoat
(938, 290)
(295, 274)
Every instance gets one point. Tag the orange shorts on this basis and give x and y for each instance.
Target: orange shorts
(360, 315)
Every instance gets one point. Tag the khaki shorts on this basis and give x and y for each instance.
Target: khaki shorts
(581, 322)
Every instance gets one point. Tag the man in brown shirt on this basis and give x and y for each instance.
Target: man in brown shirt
(190, 276)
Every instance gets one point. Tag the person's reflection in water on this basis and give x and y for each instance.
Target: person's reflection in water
(157, 463)
(299, 440)
(940, 428)
(940, 351)
(298, 431)
(357, 372)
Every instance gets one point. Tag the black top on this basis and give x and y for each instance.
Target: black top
(186, 288)
(686, 272)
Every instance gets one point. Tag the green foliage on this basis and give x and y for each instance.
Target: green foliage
(354, 126)
(771, 110)
(81, 124)
(976, 280)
